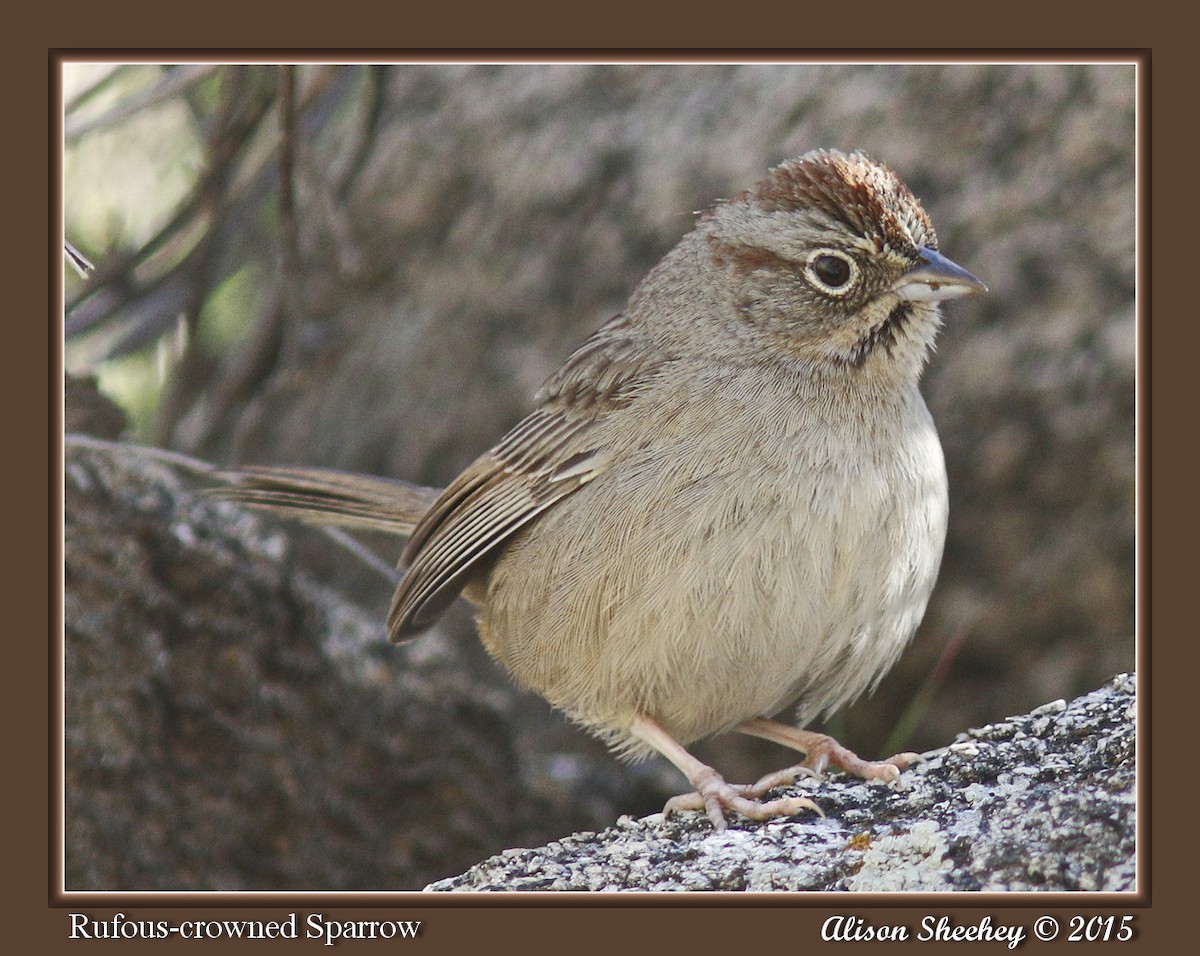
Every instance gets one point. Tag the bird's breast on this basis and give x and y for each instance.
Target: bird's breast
(741, 553)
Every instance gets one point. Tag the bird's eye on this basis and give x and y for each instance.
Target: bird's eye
(830, 271)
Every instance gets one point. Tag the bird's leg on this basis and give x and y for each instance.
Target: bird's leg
(820, 751)
(712, 794)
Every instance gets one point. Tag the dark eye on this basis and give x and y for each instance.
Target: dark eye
(831, 271)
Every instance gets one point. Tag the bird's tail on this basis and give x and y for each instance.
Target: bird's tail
(324, 496)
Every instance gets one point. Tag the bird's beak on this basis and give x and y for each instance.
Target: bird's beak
(935, 278)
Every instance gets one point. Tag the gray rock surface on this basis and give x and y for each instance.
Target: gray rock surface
(1044, 801)
(233, 722)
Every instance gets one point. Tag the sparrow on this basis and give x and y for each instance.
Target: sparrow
(730, 499)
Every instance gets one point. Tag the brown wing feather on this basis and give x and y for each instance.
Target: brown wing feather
(499, 493)
(545, 458)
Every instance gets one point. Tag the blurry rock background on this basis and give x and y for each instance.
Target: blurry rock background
(374, 268)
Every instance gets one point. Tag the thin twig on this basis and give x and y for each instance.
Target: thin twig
(180, 460)
(923, 699)
(170, 86)
(78, 260)
(290, 246)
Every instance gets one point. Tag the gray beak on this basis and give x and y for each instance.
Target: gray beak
(936, 278)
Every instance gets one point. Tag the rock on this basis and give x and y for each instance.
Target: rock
(1040, 802)
(234, 723)
(88, 411)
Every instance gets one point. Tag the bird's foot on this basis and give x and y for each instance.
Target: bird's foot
(714, 796)
(780, 778)
(824, 752)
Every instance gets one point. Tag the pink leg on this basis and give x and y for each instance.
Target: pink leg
(712, 795)
(821, 750)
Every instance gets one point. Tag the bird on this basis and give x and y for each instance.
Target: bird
(729, 500)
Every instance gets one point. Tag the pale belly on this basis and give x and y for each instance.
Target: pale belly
(705, 601)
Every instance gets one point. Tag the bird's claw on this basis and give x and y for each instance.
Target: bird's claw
(714, 796)
(828, 751)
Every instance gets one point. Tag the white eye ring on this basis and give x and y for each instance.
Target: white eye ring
(827, 283)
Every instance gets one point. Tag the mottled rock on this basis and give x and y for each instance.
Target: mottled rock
(1040, 802)
(234, 723)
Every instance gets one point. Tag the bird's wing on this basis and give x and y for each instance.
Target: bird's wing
(549, 455)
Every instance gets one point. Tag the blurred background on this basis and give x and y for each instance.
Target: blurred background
(375, 267)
